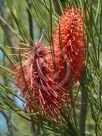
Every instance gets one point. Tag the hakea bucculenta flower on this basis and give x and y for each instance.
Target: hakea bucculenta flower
(43, 77)
(42, 85)
(69, 36)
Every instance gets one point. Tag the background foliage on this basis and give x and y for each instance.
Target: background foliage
(23, 21)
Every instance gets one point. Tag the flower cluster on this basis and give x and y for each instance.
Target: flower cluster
(44, 76)
(70, 33)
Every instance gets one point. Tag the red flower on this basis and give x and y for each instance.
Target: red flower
(69, 35)
(36, 77)
(43, 76)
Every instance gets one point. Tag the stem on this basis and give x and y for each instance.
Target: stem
(30, 19)
(57, 6)
(83, 108)
(33, 127)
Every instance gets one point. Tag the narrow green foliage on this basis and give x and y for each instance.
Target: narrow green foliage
(45, 14)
